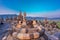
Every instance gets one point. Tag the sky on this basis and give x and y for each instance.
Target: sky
(40, 8)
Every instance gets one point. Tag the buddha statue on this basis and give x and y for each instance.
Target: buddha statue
(1, 21)
(46, 23)
(24, 22)
(7, 19)
(19, 25)
(34, 23)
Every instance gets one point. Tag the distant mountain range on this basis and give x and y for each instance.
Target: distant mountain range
(41, 18)
(29, 18)
(7, 15)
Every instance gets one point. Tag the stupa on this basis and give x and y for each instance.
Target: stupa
(23, 32)
(20, 16)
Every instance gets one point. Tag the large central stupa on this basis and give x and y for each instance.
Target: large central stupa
(26, 29)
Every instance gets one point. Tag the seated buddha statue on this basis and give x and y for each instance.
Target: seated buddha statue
(19, 25)
(24, 22)
(34, 23)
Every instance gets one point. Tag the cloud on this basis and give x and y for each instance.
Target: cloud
(4, 10)
(49, 14)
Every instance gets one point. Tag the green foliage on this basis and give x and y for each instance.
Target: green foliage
(58, 23)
